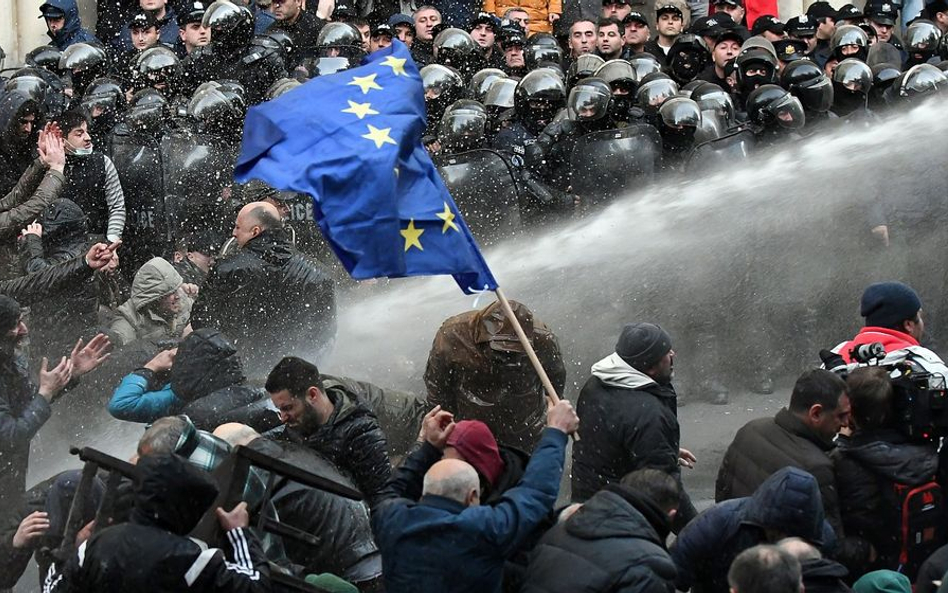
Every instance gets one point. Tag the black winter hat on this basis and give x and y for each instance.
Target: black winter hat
(643, 344)
(887, 304)
(9, 313)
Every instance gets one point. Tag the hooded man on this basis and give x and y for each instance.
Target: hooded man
(63, 24)
(630, 415)
(152, 552)
(158, 308)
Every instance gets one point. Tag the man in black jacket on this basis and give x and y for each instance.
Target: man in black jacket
(302, 25)
(630, 416)
(25, 407)
(267, 297)
(152, 551)
(798, 436)
(335, 422)
(614, 542)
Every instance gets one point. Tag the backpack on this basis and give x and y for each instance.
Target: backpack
(921, 524)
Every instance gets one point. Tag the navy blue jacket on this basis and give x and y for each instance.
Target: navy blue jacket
(168, 35)
(789, 502)
(435, 544)
(72, 32)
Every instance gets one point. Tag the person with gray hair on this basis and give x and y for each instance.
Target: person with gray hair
(765, 569)
(454, 479)
(820, 575)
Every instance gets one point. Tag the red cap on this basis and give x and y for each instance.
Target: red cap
(477, 445)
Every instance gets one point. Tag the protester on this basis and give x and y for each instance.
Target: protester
(800, 435)
(64, 24)
(765, 569)
(159, 306)
(431, 505)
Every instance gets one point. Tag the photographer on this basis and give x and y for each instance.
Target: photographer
(875, 463)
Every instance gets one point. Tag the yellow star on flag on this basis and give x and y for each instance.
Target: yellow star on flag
(379, 136)
(448, 217)
(412, 236)
(366, 83)
(396, 64)
(360, 110)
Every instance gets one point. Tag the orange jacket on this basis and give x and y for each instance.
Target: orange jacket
(539, 11)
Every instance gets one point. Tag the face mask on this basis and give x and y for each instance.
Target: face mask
(81, 151)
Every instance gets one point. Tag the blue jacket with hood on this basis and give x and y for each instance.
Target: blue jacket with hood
(788, 502)
(72, 32)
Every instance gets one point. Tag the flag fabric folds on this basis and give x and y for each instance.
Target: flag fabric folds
(352, 141)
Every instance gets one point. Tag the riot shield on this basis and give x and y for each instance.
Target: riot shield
(138, 161)
(485, 190)
(197, 170)
(609, 163)
(724, 151)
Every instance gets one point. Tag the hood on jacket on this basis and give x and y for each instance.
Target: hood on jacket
(62, 220)
(73, 21)
(155, 280)
(171, 494)
(12, 104)
(615, 372)
(790, 502)
(611, 513)
(890, 454)
(206, 362)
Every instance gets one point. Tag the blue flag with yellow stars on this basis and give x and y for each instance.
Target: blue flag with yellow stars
(352, 141)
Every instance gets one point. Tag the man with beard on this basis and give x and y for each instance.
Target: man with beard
(630, 416)
(25, 407)
(334, 421)
(636, 34)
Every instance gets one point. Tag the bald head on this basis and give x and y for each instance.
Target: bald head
(236, 434)
(454, 479)
(253, 219)
(799, 549)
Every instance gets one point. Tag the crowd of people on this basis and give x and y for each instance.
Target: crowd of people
(134, 270)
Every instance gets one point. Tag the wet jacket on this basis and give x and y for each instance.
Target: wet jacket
(868, 465)
(466, 376)
(72, 31)
(135, 319)
(788, 501)
(255, 72)
(351, 439)
(347, 546)
(432, 544)
(765, 445)
(36, 189)
(64, 237)
(539, 11)
(630, 422)
(614, 543)
(206, 383)
(16, 154)
(23, 411)
(152, 553)
(54, 280)
(268, 298)
(303, 33)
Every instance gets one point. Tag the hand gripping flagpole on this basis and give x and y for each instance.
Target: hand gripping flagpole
(551, 395)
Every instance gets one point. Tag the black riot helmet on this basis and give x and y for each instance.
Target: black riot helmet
(678, 120)
(772, 107)
(285, 41)
(281, 86)
(582, 67)
(644, 64)
(267, 45)
(500, 96)
(30, 82)
(82, 63)
(688, 56)
(619, 74)
(883, 75)
(482, 81)
(943, 47)
(921, 41)
(220, 107)
(654, 90)
(462, 126)
(852, 81)
(45, 56)
(457, 49)
(443, 86)
(589, 100)
(339, 39)
(147, 111)
(155, 67)
(231, 25)
(539, 96)
(916, 82)
(807, 82)
(755, 67)
(849, 41)
(540, 48)
(105, 94)
(713, 100)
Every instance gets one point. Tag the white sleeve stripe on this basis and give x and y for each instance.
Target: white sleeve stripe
(200, 563)
(82, 552)
(52, 579)
(241, 549)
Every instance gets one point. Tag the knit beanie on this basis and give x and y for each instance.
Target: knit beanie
(477, 445)
(887, 304)
(642, 345)
(883, 581)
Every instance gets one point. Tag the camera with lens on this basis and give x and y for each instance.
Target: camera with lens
(919, 382)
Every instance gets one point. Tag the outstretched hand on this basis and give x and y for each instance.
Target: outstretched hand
(85, 359)
(436, 427)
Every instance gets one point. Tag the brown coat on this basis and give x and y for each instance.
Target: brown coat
(539, 11)
(36, 189)
(475, 371)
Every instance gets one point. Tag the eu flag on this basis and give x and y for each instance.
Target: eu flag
(352, 141)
